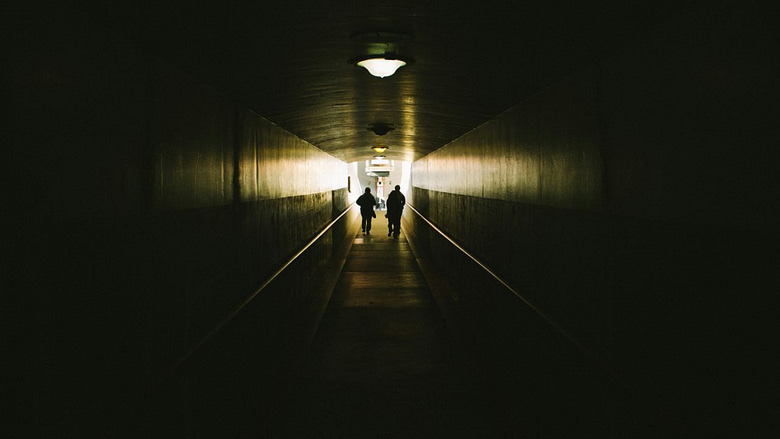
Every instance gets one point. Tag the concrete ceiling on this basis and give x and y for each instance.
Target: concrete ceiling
(288, 60)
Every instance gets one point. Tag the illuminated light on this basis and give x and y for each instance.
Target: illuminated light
(380, 149)
(381, 67)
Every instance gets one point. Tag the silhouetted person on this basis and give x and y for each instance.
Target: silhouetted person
(395, 207)
(367, 203)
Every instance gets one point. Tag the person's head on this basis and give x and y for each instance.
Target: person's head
(368, 190)
(397, 187)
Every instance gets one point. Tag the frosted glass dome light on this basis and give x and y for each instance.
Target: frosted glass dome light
(381, 67)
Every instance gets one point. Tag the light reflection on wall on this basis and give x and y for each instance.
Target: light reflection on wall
(406, 177)
(528, 154)
(195, 149)
(407, 94)
(280, 164)
(355, 189)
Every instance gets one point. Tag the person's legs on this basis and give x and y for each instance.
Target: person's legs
(363, 223)
(397, 226)
(392, 223)
(368, 224)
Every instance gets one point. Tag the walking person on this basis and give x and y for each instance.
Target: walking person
(367, 203)
(395, 207)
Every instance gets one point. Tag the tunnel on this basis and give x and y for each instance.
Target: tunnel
(588, 249)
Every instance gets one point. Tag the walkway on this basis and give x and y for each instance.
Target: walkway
(383, 363)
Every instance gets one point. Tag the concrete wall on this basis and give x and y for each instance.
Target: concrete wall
(141, 207)
(545, 151)
(631, 201)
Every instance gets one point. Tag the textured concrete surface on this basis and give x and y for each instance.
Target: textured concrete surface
(383, 363)
(147, 206)
(544, 151)
(629, 200)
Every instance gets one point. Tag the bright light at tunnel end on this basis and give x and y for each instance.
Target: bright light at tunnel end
(381, 67)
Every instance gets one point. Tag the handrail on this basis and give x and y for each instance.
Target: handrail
(181, 360)
(538, 311)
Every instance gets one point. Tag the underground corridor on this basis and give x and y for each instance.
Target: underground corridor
(588, 246)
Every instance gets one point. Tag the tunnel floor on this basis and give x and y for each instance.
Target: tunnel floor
(383, 362)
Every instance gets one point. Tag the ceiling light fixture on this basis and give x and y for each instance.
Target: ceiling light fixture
(380, 149)
(379, 52)
(380, 129)
(382, 67)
